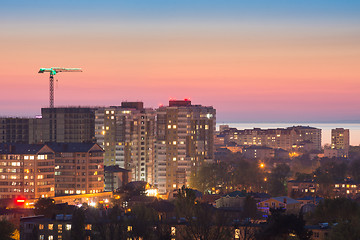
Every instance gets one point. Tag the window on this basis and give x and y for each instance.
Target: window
(88, 227)
(51, 237)
(41, 226)
(51, 226)
(237, 233)
(68, 227)
(41, 237)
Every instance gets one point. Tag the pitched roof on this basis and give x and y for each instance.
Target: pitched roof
(71, 147)
(235, 194)
(288, 200)
(115, 168)
(20, 148)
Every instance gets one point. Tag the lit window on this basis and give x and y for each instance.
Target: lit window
(41, 226)
(51, 237)
(88, 227)
(173, 231)
(237, 233)
(51, 226)
(129, 228)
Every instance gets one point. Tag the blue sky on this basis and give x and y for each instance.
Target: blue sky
(246, 58)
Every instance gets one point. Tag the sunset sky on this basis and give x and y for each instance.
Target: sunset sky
(254, 61)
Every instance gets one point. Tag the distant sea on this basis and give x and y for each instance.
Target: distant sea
(326, 129)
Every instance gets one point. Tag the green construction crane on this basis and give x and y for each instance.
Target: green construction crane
(53, 71)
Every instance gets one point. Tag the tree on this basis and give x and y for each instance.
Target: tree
(78, 224)
(335, 210)
(345, 230)
(354, 169)
(45, 206)
(279, 225)
(209, 176)
(202, 220)
(278, 179)
(247, 176)
(142, 222)
(7, 230)
(250, 208)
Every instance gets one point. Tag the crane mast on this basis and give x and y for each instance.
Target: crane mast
(53, 71)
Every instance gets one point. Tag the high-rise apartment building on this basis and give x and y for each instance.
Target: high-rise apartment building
(20, 130)
(284, 138)
(184, 140)
(79, 168)
(68, 124)
(126, 133)
(340, 140)
(26, 170)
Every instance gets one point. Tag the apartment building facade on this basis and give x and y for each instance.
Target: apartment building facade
(340, 140)
(184, 141)
(26, 170)
(127, 134)
(20, 130)
(79, 168)
(68, 124)
(284, 138)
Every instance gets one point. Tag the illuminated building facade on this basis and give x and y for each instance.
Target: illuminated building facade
(79, 168)
(68, 124)
(127, 134)
(185, 139)
(284, 138)
(26, 170)
(340, 140)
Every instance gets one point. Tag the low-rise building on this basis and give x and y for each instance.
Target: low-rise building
(347, 189)
(258, 152)
(335, 153)
(116, 177)
(39, 227)
(289, 204)
(298, 189)
(234, 199)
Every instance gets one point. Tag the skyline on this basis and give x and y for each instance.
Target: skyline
(254, 62)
